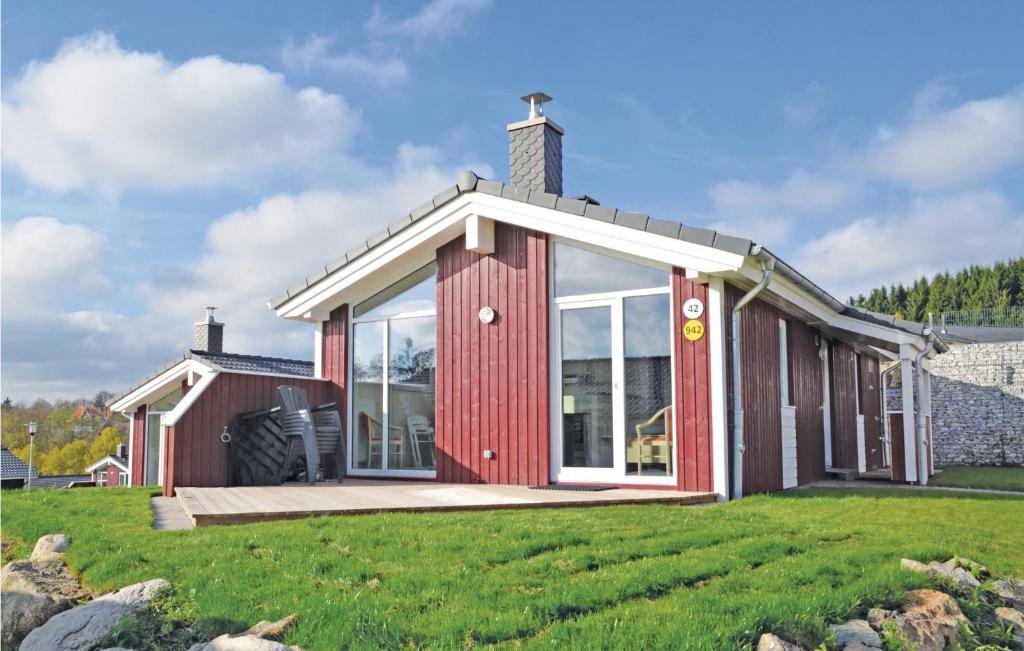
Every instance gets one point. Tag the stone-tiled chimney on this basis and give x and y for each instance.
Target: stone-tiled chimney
(209, 334)
(535, 149)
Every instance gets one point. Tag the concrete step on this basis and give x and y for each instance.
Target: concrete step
(848, 474)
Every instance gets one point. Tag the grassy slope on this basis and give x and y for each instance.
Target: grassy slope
(636, 576)
(1000, 478)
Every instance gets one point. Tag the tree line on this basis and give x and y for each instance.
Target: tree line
(974, 288)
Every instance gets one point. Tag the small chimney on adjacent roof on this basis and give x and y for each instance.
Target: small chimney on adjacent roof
(209, 334)
(535, 149)
(122, 451)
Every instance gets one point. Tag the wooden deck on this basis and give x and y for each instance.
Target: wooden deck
(206, 506)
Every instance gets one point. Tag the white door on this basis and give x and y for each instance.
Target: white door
(612, 379)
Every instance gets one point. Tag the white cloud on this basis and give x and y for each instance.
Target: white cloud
(801, 193)
(44, 257)
(930, 235)
(315, 53)
(98, 117)
(944, 148)
(437, 19)
(805, 106)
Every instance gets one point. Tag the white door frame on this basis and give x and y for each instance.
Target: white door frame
(826, 400)
(614, 301)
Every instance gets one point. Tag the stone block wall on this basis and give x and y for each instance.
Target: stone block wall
(978, 404)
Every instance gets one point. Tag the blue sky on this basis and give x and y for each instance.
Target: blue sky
(161, 157)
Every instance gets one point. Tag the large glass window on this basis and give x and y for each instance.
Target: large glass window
(647, 348)
(587, 427)
(393, 373)
(580, 271)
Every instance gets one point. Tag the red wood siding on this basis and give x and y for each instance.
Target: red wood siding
(334, 358)
(137, 454)
(195, 455)
(112, 475)
(806, 395)
(692, 396)
(897, 457)
(762, 402)
(843, 385)
(871, 407)
(492, 379)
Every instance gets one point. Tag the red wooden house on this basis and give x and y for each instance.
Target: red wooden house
(506, 333)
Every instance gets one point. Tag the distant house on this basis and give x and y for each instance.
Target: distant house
(16, 472)
(86, 419)
(13, 471)
(111, 470)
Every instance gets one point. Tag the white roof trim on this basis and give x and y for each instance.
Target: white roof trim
(109, 459)
(133, 399)
(196, 390)
(416, 244)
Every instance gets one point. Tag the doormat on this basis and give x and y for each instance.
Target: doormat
(577, 487)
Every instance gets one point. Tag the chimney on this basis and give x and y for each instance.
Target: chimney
(535, 149)
(122, 451)
(209, 334)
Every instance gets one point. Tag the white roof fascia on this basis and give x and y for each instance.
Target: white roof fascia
(189, 399)
(133, 399)
(107, 460)
(789, 291)
(415, 245)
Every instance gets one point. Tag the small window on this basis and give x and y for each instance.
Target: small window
(580, 272)
(101, 478)
(416, 292)
(860, 385)
(785, 379)
(122, 478)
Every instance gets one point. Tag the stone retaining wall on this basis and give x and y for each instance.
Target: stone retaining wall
(977, 404)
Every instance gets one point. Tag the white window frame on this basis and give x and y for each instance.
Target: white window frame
(383, 471)
(786, 399)
(616, 302)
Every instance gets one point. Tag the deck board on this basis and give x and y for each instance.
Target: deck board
(240, 504)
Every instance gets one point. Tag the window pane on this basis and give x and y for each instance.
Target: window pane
(578, 271)
(417, 291)
(411, 372)
(368, 395)
(167, 402)
(647, 335)
(587, 388)
(152, 449)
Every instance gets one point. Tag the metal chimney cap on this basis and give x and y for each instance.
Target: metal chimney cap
(536, 102)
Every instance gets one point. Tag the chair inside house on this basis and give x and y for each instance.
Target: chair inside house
(309, 432)
(653, 444)
(371, 431)
(421, 439)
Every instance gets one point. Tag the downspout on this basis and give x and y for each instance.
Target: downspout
(921, 438)
(767, 269)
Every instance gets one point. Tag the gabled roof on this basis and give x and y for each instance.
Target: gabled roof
(983, 334)
(584, 207)
(106, 461)
(11, 467)
(232, 363)
(60, 481)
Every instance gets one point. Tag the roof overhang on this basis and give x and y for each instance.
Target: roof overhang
(186, 369)
(416, 245)
(107, 460)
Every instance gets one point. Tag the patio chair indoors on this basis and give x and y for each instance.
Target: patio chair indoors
(655, 447)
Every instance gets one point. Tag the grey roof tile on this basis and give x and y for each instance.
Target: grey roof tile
(297, 287)
(279, 300)
(467, 181)
(516, 193)
(11, 467)
(599, 212)
(489, 187)
(256, 364)
(631, 220)
(356, 251)
(334, 265)
(737, 245)
(316, 276)
(446, 195)
(543, 199)
(662, 227)
(571, 206)
(701, 236)
(399, 224)
(421, 210)
(377, 238)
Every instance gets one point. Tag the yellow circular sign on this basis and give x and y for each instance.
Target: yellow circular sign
(693, 330)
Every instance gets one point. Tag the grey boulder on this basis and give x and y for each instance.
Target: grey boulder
(50, 547)
(255, 639)
(31, 593)
(1010, 591)
(770, 642)
(856, 632)
(90, 625)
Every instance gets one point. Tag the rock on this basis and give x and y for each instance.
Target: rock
(857, 646)
(90, 625)
(33, 592)
(769, 642)
(49, 547)
(913, 566)
(930, 620)
(877, 617)
(1014, 619)
(1011, 591)
(974, 567)
(855, 631)
(252, 640)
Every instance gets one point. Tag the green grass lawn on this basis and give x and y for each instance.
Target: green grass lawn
(648, 576)
(999, 478)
